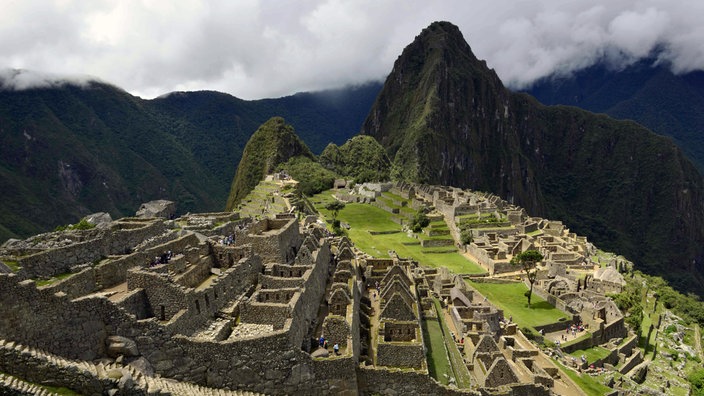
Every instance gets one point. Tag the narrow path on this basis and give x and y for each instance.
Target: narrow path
(698, 340)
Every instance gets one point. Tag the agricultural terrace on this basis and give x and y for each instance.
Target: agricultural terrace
(365, 221)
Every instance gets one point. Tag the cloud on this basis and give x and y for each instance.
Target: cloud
(18, 80)
(259, 48)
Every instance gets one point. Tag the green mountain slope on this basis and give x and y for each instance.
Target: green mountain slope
(361, 158)
(68, 151)
(71, 151)
(445, 118)
(647, 92)
(274, 143)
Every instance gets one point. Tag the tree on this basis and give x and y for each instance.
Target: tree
(528, 260)
(466, 236)
(420, 221)
(335, 207)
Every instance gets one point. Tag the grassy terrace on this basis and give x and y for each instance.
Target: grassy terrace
(13, 265)
(589, 385)
(444, 359)
(456, 361)
(509, 297)
(592, 354)
(438, 363)
(44, 282)
(364, 218)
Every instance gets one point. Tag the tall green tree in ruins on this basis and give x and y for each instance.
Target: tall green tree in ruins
(528, 261)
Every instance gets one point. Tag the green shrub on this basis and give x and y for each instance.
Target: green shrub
(81, 225)
(696, 379)
(420, 221)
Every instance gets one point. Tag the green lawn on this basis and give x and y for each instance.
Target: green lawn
(457, 362)
(509, 297)
(438, 364)
(363, 218)
(44, 282)
(592, 354)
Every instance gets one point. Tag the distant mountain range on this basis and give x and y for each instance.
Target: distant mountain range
(646, 92)
(69, 151)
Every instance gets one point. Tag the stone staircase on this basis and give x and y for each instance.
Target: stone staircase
(85, 377)
(10, 385)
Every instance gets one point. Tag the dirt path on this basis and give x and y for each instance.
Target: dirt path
(698, 340)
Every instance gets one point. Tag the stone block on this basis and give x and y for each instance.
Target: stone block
(118, 345)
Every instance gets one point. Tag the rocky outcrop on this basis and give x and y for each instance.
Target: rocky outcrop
(158, 208)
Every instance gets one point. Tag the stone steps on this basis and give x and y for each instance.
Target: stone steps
(10, 385)
(106, 373)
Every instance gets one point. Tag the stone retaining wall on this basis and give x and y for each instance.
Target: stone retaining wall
(117, 240)
(76, 285)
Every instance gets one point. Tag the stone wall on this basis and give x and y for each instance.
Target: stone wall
(52, 322)
(135, 302)
(114, 271)
(276, 282)
(76, 285)
(400, 354)
(194, 274)
(627, 347)
(40, 368)
(376, 380)
(165, 298)
(118, 240)
(336, 330)
(275, 240)
(305, 312)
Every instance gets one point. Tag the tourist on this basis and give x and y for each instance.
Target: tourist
(336, 348)
(322, 341)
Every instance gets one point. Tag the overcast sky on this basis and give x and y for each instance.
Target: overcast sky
(270, 48)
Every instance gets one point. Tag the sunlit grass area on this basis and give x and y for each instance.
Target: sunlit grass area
(365, 220)
(511, 299)
(590, 385)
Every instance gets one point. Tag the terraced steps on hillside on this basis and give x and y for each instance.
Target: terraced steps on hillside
(92, 376)
(266, 198)
(10, 385)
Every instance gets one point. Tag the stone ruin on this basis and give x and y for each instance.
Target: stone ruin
(213, 303)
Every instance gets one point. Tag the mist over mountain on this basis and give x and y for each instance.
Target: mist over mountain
(647, 92)
(445, 118)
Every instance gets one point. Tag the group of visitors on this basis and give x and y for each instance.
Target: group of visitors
(228, 240)
(163, 259)
(324, 344)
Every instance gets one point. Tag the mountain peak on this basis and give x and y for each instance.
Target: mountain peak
(274, 143)
(445, 118)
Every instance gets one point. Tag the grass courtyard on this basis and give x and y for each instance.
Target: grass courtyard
(510, 298)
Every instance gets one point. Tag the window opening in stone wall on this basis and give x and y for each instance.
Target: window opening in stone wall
(197, 307)
(207, 301)
(163, 312)
(215, 294)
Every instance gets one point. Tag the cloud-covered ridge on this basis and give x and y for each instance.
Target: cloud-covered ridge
(254, 49)
(17, 80)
